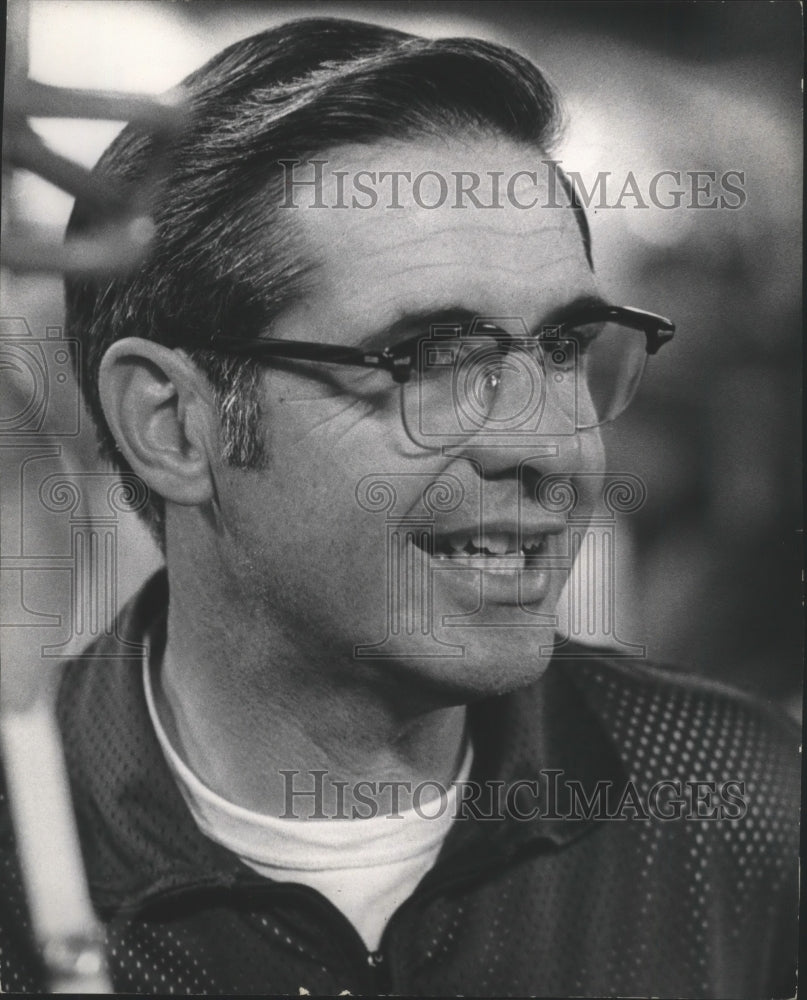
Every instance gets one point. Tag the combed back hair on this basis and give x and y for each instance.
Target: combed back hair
(225, 259)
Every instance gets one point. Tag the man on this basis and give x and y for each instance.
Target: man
(348, 759)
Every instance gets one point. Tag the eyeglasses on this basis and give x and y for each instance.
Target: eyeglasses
(492, 377)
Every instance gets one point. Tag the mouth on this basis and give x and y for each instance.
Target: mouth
(508, 563)
(486, 549)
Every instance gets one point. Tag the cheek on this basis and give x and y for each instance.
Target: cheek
(319, 449)
(348, 426)
(298, 520)
(592, 450)
(592, 465)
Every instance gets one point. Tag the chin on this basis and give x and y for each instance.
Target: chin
(479, 663)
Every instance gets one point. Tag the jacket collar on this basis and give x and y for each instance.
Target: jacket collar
(140, 841)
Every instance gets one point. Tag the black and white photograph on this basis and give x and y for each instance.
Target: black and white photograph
(401, 550)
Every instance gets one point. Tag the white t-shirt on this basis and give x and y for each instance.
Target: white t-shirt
(365, 867)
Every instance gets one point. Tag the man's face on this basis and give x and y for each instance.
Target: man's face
(328, 547)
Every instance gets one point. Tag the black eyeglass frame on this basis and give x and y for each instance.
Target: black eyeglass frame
(400, 359)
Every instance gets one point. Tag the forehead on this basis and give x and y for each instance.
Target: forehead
(404, 227)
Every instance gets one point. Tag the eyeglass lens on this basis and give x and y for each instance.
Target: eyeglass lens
(493, 385)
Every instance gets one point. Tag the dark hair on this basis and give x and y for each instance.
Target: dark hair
(221, 259)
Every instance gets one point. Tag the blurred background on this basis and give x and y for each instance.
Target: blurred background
(709, 570)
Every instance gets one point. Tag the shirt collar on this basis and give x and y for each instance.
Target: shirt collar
(140, 841)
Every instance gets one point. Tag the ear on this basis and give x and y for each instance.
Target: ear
(159, 408)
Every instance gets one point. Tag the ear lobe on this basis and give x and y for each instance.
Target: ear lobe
(159, 410)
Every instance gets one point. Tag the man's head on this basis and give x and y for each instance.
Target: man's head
(226, 257)
(280, 467)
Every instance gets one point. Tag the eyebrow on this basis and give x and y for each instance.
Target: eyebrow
(419, 321)
(423, 320)
(567, 311)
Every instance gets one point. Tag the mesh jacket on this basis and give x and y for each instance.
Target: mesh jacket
(568, 903)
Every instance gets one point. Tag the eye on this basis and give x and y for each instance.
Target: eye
(488, 381)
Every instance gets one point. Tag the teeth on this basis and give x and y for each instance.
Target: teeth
(456, 543)
(532, 548)
(489, 545)
(497, 545)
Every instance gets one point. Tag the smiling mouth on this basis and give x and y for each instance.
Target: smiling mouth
(495, 548)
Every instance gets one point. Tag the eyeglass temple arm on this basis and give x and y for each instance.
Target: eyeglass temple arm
(658, 330)
(301, 350)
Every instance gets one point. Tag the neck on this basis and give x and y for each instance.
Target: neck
(244, 705)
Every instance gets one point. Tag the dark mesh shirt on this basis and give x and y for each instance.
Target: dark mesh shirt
(613, 888)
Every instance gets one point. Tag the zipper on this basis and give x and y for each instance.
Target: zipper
(380, 972)
(372, 967)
